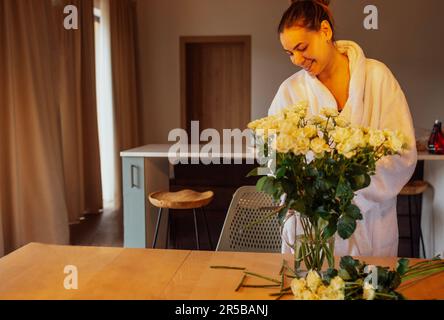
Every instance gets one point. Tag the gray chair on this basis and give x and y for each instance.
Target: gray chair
(240, 233)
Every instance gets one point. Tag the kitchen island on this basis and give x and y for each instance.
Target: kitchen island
(147, 169)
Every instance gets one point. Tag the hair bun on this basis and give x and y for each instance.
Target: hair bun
(322, 2)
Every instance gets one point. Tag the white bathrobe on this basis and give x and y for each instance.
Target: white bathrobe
(376, 101)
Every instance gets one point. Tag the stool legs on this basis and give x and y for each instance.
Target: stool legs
(195, 229)
(421, 238)
(168, 231)
(417, 210)
(159, 217)
(206, 226)
(411, 226)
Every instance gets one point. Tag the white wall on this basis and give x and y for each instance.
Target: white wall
(409, 40)
(162, 22)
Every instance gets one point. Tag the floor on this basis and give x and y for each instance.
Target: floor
(106, 230)
(103, 229)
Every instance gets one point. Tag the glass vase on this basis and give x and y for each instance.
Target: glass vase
(311, 250)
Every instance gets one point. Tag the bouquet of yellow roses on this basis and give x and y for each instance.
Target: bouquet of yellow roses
(317, 164)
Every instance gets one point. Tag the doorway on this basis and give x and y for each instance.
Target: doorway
(215, 82)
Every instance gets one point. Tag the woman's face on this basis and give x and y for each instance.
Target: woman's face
(310, 50)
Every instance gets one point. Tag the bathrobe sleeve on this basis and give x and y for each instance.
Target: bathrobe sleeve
(392, 172)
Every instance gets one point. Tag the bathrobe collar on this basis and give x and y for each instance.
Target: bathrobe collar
(319, 95)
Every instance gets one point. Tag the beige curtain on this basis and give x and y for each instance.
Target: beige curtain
(127, 112)
(78, 112)
(32, 186)
(49, 156)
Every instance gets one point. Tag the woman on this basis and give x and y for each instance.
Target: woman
(337, 74)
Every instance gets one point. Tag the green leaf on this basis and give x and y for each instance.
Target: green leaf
(348, 262)
(330, 274)
(299, 206)
(346, 226)
(288, 186)
(384, 277)
(396, 280)
(343, 189)
(330, 229)
(348, 267)
(403, 266)
(280, 173)
(354, 212)
(361, 181)
(269, 186)
(344, 275)
(324, 214)
(260, 183)
(253, 173)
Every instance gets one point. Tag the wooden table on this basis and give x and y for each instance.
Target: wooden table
(36, 271)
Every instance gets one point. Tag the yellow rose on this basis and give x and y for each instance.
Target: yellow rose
(321, 290)
(346, 149)
(357, 138)
(288, 127)
(313, 280)
(309, 295)
(340, 135)
(337, 284)
(298, 286)
(318, 146)
(300, 109)
(341, 122)
(395, 140)
(293, 118)
(330, 112)
(310, 131)
(330, 294)
(316, 120)
(284, 143)
(376, 138)
(255, 124)
(301, 146)
(298, 133)
(369, 292)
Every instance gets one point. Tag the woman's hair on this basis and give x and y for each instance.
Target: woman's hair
(308, 14)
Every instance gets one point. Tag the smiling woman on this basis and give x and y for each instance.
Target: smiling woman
(307, 35)
(337, 74)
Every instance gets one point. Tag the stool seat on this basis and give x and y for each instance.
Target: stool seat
(184, 199)
(414, 188)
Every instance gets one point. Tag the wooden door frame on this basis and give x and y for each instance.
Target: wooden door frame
(184, 40)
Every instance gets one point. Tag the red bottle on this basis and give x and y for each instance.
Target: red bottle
(436, 141)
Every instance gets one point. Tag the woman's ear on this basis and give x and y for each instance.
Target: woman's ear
(326, 30)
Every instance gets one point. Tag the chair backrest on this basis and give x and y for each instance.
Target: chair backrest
(240, 233)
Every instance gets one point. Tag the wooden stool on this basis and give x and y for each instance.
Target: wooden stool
(415, 189)
(184, 199)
